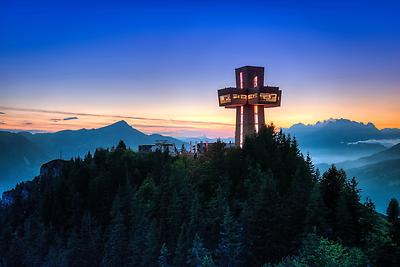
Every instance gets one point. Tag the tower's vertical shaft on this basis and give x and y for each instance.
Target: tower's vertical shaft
(248, 122)
(238, 129)
(261, 117)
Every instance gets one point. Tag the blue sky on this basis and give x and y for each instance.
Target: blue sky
(165, 60)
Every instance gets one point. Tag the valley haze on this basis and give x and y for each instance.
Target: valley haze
(334, 141)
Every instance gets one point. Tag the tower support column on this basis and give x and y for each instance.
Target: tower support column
(248, 122)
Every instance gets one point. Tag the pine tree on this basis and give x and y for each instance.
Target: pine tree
(88, 158)
(115, 246)
(230, 244)
(121, 146)
(137, 230)
(194, 216)
(91, 240)
(310, 165)
(344, 221)
(163, 258)
(151, 246)
(317, 175)
(207, 261)
(332, 186)
(183, 149)
(315, 212)
(199, 255)
(393, 210)
(56, 256)
(182, 247)
(35, 240)
(395, 233)
(393, 218)
(75, 252)
(15, 254)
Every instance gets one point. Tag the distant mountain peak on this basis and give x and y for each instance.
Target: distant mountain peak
(332, 122)
(118, 125)
(121, 123)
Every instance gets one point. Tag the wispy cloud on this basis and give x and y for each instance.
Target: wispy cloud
(70, 118)
(2, 113)
(2, 123)
(28, 123)
(64, 119)
(181, 122)
(384, 142)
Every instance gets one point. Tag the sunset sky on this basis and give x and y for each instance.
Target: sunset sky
(158, 65)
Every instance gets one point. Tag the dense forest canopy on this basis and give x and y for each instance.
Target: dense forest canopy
(263, 205)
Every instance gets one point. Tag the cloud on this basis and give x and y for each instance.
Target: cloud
(2, 113)
(2, 123)
(384, 142)
(64, 119)
(70, 118)
(28, 123)
(181, 122)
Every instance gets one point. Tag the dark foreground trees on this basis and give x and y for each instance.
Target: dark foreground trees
(260, 205)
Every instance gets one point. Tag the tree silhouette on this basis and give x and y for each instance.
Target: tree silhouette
(393, 210)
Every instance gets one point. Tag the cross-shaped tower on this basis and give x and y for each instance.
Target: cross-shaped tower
(249, 98)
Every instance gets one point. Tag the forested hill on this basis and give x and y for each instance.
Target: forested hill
(22, 154)
(255, 206)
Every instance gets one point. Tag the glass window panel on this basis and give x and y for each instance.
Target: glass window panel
(267, 97)
(224, 99)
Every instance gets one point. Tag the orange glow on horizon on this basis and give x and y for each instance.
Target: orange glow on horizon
(198, 120)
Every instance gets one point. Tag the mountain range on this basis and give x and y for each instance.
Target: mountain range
(337, 140)
(379, 181)
(22, 153)
(378, 175)
(361, 149)
(386, 155)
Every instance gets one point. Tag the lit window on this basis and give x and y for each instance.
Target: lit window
(256, 118)
(252, 96)
(235, 96)
(224, 99)
(266, 97)
(243, 97)
(241, 127)
(255, 81)
(241, 80)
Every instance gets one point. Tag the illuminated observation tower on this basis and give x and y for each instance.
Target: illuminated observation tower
(249, 98)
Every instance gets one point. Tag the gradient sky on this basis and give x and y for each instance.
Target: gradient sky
(158, 65)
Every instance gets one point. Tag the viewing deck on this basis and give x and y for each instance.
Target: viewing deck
(266, 96)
